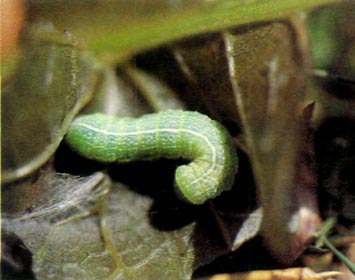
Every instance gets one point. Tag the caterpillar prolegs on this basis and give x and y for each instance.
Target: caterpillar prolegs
(170, 134)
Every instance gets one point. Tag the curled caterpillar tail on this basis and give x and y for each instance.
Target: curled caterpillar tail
(171, 134)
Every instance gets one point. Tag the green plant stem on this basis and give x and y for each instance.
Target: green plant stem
(323, 239)
(340, 255)
(324, 230)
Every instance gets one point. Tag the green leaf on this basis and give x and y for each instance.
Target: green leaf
(139, 25)
(53, 81)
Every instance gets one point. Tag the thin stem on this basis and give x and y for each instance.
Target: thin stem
(324, 74)
(340, 255)
(324, 230)
(322, 239)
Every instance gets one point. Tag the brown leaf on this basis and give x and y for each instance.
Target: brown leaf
(268, 67)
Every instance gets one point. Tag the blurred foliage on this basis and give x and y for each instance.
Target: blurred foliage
(120, 29)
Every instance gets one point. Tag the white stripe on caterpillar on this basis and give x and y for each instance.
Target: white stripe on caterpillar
(170, 134)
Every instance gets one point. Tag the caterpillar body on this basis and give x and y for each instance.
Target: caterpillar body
(171, 134)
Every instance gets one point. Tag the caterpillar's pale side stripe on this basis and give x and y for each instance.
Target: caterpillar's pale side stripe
(105, 132)
(172, 134)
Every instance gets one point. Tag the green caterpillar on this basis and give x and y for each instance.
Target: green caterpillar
(171, 134)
